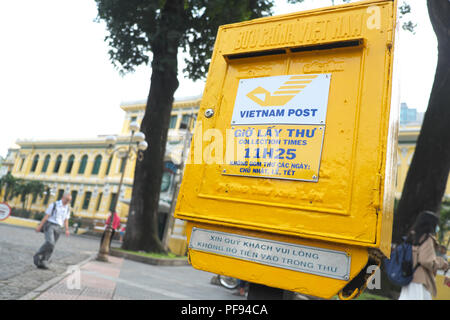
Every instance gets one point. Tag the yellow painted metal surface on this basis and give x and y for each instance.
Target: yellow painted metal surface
(346, 207)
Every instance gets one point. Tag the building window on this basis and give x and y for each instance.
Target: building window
(21, 164)
(60, 194)
(74, 194)
(35, 163)
(185, 121)
(34, 198)
(47, 197)
(166, 179)
(57, 164)
(70, 164)
(99, 201)
(97, 163)
(173, 122)
(83, 164)
(123, 162)
(87, 199)
(108, 167)
(112, 202)
(46, 163)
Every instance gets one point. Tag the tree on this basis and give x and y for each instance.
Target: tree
(22, 189)
(427, 176)
(138, 28)
(37, 188)
(8, 181)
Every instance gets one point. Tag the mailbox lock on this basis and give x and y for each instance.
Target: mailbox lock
(209, 113)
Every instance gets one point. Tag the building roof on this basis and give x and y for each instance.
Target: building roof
(98, 142)
(185, 102)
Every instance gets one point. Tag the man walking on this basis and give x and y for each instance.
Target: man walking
(56, 216)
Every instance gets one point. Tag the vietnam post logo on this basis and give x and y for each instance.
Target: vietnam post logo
(286, 99)
(285, 92)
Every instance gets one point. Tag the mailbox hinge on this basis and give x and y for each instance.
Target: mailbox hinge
(376, 192)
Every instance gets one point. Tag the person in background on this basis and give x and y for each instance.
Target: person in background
(56, 216)
(122, 233)
(115, 224)
(425, 246)
(241, 288)
(443, 252)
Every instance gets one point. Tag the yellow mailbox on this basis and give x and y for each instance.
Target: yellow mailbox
(289, 181)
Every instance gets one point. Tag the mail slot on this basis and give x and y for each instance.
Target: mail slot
(290, 182)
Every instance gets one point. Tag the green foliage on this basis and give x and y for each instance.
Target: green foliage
(8, 182)
(204, 20)
(444, 221)
(168, 255)
(73, 220)
(21, 213)
(38, 216)
(14, 187)
(134, 27)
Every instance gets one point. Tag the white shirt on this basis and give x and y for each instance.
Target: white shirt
(62, 213)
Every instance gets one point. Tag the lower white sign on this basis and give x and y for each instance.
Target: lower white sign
(318, 261)
(5, 211)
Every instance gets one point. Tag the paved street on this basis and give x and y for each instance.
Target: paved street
(119, 279)
(18, 275)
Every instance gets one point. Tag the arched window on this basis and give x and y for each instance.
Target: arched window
(57, 164)
(99, 201)
(70, 164)
(122, 164)
(46, 163)
(109, 165)
(173, 122)
(35, 163)
(21, 164)
(97, 163)
(74, 194)
(87, 200)
(165, 182)
(83, 164)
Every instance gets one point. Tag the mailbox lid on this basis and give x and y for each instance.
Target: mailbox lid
(343, 205)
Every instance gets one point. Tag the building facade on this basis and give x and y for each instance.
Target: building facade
(406, 146)
(90, 169)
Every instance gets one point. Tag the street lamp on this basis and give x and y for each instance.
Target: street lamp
(136, 145)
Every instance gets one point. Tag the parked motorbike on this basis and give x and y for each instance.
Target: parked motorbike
(228, 282)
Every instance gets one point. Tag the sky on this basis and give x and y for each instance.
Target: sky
(57, 82)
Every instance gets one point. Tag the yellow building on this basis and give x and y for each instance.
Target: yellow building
(407, 139)
(91, 172)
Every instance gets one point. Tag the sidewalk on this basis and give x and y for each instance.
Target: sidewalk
(93, 281)
(122, 279)
(29, 223)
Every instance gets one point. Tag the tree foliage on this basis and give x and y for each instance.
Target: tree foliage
(134, 26)
(7, 183)
(24, 188)
(14, 187)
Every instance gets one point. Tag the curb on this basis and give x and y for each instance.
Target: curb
(148, 260)
(50, 283)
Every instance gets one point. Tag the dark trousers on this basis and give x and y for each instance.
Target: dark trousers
(52, 232)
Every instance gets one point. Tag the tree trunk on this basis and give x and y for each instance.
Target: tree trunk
(427, 176)
(142, 225)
